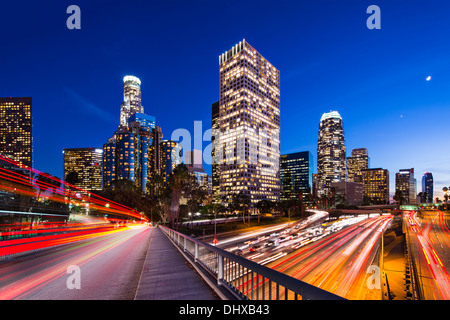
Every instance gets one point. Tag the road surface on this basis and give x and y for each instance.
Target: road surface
(100, 268)
(429, 235)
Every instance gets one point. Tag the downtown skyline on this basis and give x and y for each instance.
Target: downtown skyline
(376, 79)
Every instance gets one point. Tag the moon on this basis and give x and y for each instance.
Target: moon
(428, 78)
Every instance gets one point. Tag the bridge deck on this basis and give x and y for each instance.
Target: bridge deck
(167, 275)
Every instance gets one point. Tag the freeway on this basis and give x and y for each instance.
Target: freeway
(340, 257)
(429, 235)
(106, 266)
(340, 262)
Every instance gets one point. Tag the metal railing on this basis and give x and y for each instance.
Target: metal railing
(246, 279)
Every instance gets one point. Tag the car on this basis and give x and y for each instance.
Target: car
(274, 234)
(254, 248)
(269, 243)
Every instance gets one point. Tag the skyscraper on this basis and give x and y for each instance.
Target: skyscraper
(16, 138)
(131, 99)
(126, 154)
(215, 112)
(247, 146)
(194, 162)
(358, 161)
(296, 170)
(427, 187)
(375, 185)
(406, 184)
(330, 152)
(171, 151)
(156, 156)
(87, 163)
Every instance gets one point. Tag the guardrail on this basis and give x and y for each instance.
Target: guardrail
(246, 279)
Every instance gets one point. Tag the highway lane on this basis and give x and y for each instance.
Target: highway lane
(338, 263)
(109, 268)
(334, 256)
(430, 240)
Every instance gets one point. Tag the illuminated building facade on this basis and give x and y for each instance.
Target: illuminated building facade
(247, 143)
(296, 170)
(406, 184)
(215, 187)
(156, 156)
(171, 151)
(194, 162)
(126, 154)
(87, 163)
(358, 161)
(16, 141)
(330, 152)
(131, 99)
(375, 185)
(348, 193)
(427, 187)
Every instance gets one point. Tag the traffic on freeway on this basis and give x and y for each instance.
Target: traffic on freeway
(429, 235)
(339, 257)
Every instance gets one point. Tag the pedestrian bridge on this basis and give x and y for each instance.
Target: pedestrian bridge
(242, 278)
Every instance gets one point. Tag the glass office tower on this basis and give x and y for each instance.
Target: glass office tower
(87, 163)
(406, 184)
(358, 161)
(247, 145)
(330, 152)
(131, 99)
(296, 170)
(16, 129)
(126, 154)
(376, 185)
(427, 187)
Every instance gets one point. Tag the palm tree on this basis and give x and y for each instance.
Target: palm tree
(445, 189)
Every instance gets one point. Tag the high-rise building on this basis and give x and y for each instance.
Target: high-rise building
(16, 140)
(296, 174)
(427, 187)
(358, 161)
(348, 193)
(131, 99)
(194, 162)
(247, 144)
(87, 163)
(375, 185)
(171, 151)
(156, 156)
(126, 154)
(330, 152)
(215, 187)
(406, 184)
(109, 162)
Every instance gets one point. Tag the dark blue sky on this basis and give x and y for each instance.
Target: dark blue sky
(328, 58)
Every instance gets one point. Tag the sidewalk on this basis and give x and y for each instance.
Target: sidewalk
(167, 275)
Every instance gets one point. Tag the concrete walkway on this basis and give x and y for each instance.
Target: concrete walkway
(167, 275)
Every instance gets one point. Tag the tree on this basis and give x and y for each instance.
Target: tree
(398, 197)
(445, 189)
(178, 180)
(44, 183)
(264, 206)
(240, 202)
(72, 178)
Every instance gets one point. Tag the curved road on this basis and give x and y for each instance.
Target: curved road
(106, 267)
